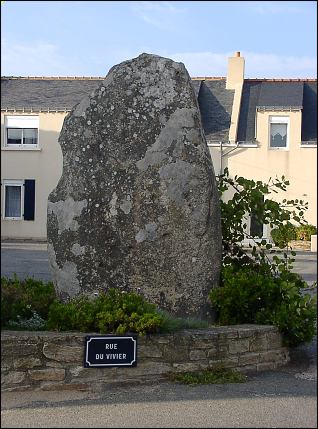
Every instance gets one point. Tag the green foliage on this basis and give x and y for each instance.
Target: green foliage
(288, 232)
(111, 312)
(253, 197)
(283, 235)
(304, 232)
(32, 305)
(21, 299)
(250, 295)
(258, 286)
(215, 375)
(34, 323)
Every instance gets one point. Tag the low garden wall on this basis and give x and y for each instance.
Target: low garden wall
(54, 360)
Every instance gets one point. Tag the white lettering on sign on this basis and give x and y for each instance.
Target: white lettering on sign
(111, 346)
(116, 356)
(112, 355)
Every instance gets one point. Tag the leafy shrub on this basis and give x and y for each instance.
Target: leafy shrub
(32, 305)
(283, 235)
(248, 295)
(20, 299)
(304, 232)
(253, 198)
(111, 312)
(34, 323)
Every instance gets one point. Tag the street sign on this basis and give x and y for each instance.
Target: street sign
(110, 350)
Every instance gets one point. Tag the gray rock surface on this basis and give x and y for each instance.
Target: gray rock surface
(137, 206)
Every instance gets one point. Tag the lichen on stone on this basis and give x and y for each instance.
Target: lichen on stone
(137, 209)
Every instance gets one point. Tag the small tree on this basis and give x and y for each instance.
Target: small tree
(254, 287)
(252, 197)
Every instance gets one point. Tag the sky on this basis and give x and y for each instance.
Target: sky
(278, 39)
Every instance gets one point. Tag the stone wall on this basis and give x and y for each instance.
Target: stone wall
(54, 360)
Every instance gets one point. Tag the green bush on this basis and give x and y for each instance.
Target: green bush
(248, 295)
(34, 323)
(111, 312)
(32, 305)
(283, 235)
(304, 232)
(21, 299)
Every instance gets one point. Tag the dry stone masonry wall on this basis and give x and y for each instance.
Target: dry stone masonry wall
(137, 206)
(54, 361)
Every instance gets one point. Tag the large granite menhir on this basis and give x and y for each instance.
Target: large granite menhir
(137, 206)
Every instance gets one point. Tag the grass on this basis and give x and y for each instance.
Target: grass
(214, 375)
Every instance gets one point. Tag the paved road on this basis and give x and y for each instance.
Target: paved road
(272, 399)
(30, 259)
(25, 259)
(284, 398)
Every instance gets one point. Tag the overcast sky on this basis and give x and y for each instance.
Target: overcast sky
(86, 38)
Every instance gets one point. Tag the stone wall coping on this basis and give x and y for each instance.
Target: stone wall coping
(210, 330)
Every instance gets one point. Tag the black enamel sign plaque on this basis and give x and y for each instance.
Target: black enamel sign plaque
(110, 350)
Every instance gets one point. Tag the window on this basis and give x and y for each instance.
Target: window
(22, 132)
(256, 227)
(19, 199)
(13, 192)
(22, 136)
(255, 230)
(278, 135)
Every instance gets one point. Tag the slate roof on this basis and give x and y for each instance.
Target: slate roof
(62, 94)
(246, 125)
(281, 95)
(215, 102)
(37, 93)
(196, 85)
(278, 95)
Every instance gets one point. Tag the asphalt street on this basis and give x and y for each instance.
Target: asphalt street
(29, 259)
(286, 397)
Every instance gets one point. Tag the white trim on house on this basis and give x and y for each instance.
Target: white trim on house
(22, 122)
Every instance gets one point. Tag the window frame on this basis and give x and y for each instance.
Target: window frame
(285, 120)
(17, 183)
(22, 138)
(247, 232)
(33, 119)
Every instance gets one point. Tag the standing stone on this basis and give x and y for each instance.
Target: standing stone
(137, 205)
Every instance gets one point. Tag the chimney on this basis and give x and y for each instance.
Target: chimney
(235, 71)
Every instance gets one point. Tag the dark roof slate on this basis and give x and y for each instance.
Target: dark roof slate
(196, 86)
(249, 100)
(281, 94)
(284, 95)
(214, 100)
(215, 104)
(45, 93)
